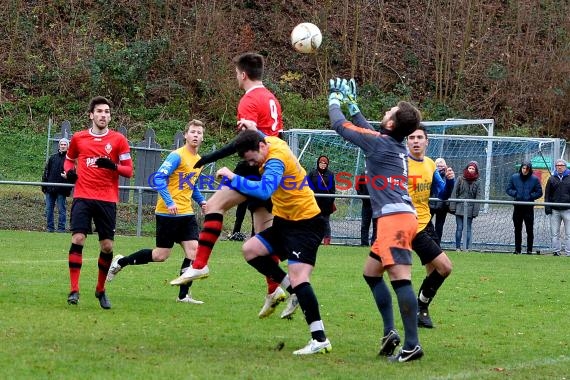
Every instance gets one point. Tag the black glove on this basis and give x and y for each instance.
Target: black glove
(225, 151)
(547, 210)
(105, 163)
(71, 176)
(44, 189)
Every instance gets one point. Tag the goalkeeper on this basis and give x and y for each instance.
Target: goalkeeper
(397, 222)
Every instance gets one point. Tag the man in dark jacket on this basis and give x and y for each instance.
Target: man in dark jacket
(322, 182)
(557, 190)
(56, 194)
(524, 187)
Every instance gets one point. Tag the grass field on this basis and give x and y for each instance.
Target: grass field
(497, 317)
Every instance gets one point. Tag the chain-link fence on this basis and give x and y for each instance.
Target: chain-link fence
(23, 208)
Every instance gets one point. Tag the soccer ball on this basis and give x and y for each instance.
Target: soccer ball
(306, 38)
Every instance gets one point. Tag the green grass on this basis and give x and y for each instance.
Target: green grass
(498, 316)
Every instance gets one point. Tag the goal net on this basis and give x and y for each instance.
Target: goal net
(457, 141)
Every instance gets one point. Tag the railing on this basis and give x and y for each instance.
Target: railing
(492, 229)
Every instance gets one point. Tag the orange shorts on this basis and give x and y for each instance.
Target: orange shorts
(393, 245)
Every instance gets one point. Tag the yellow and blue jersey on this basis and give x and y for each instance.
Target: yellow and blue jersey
(285, 181)
(175, 182)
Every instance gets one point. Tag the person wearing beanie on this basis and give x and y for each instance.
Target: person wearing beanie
(322, 182)
(557, 190)
(524, 187)
(468, 186)
(56, 195)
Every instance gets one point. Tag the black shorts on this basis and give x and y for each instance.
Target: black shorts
(425, 244)
(103, 214)
(170, 230)
(245, 170)
(294, 240)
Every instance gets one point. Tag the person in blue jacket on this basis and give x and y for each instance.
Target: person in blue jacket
(524, 187)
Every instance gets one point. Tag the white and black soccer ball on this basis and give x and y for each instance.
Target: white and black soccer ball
(306, 38)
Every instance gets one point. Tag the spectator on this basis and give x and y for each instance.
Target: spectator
(365, 213)
(468, 186)
(439, 209)
(322, 182)
(525, 187)
(56, 195)
(557, 190)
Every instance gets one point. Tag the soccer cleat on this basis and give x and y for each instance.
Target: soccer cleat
(114, 268)
(407, 356)
(189, 299)
(315, 347)
(191, 274)
(556, 253)
(73, 298)
(291, 308)
(389, 343)
(424, 319)
(271, 302)
(237, 236)
(103, 300)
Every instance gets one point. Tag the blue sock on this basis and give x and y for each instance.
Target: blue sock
(408, 311)
(383, 299)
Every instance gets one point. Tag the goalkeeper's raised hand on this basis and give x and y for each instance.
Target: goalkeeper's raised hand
(350, 93)
(336, 91)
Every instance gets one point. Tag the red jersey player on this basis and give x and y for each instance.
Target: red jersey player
(258, 108)
(95, 160)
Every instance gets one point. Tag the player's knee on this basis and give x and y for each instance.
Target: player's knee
(78, 239)
(444, 268)
(106, 245)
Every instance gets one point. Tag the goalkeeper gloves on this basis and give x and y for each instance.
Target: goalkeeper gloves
(350, 92)
(71, 176)
(336, 91)
(105, 163)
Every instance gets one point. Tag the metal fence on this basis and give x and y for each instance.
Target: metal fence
(22, 207)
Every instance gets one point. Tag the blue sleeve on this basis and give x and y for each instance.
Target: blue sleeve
(537, 191)
(162, 174)
(445, 187)
(439, 183)
(266, 186)
(197, 195)
(511, 189)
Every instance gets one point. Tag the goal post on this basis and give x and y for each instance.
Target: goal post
(457, 141)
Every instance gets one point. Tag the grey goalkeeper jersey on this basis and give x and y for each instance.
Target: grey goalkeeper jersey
(386, 163)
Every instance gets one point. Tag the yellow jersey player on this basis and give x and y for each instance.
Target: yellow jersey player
(175, 182)
(422, 176)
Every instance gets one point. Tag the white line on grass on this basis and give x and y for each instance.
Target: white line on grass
(490, 371)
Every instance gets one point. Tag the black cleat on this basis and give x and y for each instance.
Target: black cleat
(407, 356)
(103, 300)
(424, 319)
(73, 298)
(389, 343)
